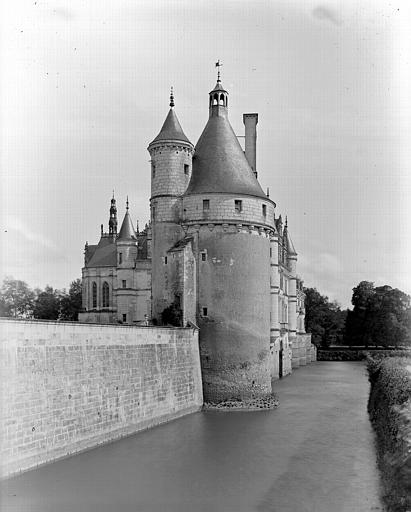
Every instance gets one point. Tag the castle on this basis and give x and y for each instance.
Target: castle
(214, 251)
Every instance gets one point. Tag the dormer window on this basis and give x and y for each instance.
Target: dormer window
(238, 205)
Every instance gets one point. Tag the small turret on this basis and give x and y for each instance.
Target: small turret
(287, 240)
(127, 231)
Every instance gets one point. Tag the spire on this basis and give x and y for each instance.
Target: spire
(287, 238)
(171, 129)
(127, 229)
(112, 223)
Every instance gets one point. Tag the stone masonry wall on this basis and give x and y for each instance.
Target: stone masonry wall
(67, 387)
(221, 209)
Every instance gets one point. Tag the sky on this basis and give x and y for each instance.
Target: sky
(85, 87)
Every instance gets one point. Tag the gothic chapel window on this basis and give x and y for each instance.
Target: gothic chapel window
(94, 295)
(106, 295)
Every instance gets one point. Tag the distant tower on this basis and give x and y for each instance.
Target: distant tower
(112, 223)
(171, 162)
(231, 221)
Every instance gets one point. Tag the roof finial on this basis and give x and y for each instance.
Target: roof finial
(127, 204)
(218, 64)
(113, 193)
(172, 97)
(286, 221)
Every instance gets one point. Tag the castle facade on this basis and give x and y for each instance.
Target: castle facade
(214, 250)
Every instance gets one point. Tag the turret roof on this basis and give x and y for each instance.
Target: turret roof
(219, 163)
(290, 245)
(171, 129)
(127, 231)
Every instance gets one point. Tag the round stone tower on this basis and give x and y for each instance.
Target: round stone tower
(231, 221)
(171, 164)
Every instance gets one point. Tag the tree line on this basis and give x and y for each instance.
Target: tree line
(381, 317)
(18, 300)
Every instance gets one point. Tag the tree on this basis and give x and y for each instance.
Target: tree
(381, 316)
(71, 303)
(323, 319)
(16, 298)
(47, 304)
(173, 315)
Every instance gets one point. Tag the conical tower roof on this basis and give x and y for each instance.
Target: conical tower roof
(171, 129)
(127, 231)
(219, 163)
(289, 242)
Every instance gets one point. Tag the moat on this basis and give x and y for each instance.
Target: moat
(314, 453)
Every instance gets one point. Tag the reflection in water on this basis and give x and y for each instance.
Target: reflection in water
(313, 453)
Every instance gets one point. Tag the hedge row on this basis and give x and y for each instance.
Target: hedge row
(389, 407)
(356, 355)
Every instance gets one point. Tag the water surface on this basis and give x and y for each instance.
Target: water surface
(314, 453)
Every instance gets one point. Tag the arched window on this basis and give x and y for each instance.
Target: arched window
(215, 100)
(222, 99)
(106, 295)
(94, 295)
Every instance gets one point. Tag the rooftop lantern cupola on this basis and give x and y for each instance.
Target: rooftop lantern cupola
(218, 103)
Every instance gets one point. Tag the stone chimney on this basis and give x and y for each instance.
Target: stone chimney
(250, 121)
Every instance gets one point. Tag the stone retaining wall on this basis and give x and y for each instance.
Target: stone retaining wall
(67, 387)
(303, 351)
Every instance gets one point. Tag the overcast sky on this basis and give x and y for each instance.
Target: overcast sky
(85, 87)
